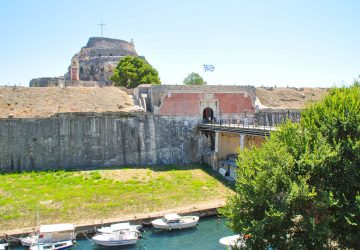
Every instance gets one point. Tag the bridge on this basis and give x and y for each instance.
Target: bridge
(244, 129)
(225, 139)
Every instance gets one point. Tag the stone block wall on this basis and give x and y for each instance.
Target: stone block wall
(91, 140)
(273, 117)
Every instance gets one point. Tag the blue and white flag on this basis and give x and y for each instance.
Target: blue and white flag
(208, 67)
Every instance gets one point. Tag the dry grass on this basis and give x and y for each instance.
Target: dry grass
(21, 102)
(289, 98)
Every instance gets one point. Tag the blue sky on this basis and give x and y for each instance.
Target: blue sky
(295, 43)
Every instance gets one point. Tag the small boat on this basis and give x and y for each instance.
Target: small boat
(233, 241)
(62, 245)
(4, 246)
(119, 227)
(50, 234)
(120, 238)
(175, 221)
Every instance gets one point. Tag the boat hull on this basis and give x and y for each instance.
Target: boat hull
(161, 225)
(54, 246)
(4, 246)
(232, 241)
(115, 242)
(121, 238)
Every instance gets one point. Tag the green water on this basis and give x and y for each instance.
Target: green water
(205, 236)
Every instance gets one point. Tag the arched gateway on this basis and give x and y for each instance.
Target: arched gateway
(208, 115)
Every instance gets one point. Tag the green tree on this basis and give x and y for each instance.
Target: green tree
(301, 189)
(194, 79)
(132, 71)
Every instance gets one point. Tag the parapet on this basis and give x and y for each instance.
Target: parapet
(156, 92)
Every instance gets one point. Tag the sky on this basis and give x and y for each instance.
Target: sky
(309, 43)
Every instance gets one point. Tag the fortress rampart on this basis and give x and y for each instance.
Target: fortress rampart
(92, 140)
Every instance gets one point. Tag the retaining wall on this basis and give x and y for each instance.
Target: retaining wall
(90, 140)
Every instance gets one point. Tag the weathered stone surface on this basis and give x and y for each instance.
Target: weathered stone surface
(47, 82)
(95, 62)
(91, 140)
(99, 57)
(273, 117)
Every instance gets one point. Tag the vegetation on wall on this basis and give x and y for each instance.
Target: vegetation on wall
(301, 189)
(132, 71)
(194, 79)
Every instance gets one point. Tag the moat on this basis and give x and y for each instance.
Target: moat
(205, 236)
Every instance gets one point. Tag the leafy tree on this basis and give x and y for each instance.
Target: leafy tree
(194, 79)
(301, 189)
(132, 71)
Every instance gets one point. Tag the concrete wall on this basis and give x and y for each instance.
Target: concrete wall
(86, 140)
(229, 143)
(253, 141)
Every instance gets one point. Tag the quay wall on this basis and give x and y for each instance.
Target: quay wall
(92, 140)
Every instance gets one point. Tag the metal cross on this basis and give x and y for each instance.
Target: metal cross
(102, 27)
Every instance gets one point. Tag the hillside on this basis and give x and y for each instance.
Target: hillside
(21, 102)
(288, 98)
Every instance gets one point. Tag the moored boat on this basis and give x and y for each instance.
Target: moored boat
(175, 221)
(119, 227)
(120, 238)
(233, 241)
(4, 246)
(62, 245)
(50, 234)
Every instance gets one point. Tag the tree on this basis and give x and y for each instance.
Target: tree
(301, 189)
(194, 79)
(132, 71)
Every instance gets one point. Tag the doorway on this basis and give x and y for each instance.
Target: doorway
(208, 115)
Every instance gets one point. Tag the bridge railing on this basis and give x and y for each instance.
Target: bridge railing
(240, 123)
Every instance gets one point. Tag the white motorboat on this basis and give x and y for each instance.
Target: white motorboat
(119, 227)
(62, 245)
(233, 241)
(4, 246)
(50, 234)
(175, 221)
(121, 238)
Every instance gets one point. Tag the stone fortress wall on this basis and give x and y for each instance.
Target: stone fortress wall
(96, 62)
(92, 140)
(99, 57)
(61, 82)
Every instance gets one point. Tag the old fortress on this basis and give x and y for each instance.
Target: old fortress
(92, 65)
(70, 122)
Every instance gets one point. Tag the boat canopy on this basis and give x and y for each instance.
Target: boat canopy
(172, 217)
(56, 228)
(120, 226)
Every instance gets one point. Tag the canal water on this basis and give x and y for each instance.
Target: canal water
(204, 237)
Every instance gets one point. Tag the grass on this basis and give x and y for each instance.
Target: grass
(80, 196)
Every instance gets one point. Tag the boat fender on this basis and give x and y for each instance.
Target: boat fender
(170, 228)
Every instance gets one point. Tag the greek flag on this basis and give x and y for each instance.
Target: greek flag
(208, 67)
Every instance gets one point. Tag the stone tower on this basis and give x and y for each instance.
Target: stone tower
(74, 75)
